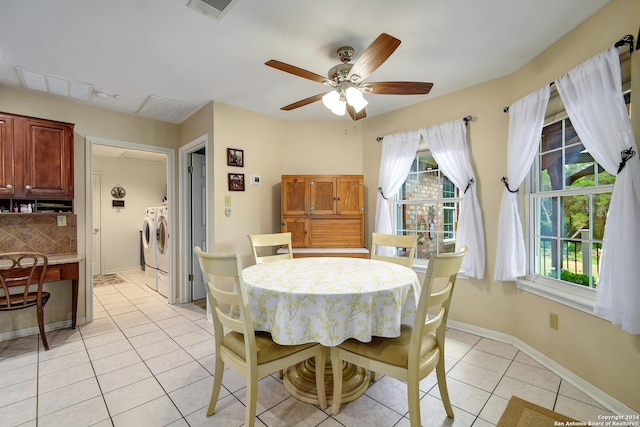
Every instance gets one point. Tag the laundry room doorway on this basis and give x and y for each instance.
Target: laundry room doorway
(194, 200)
(123, 180)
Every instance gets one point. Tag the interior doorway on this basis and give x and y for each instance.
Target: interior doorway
(194, 200)
(95, 246)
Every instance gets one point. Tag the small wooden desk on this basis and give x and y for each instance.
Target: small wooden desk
(66, 271)
(65, 267)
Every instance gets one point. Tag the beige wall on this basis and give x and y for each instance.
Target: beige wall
(592, 348)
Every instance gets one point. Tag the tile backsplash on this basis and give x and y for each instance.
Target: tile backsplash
(38, 232)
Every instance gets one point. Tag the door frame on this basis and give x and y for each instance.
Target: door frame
(171, 192)
(96, 181)
(185, 209)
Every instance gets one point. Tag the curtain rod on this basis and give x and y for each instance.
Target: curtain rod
(627, 39)
(466, 119)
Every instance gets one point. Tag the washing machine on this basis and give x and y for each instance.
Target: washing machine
(149, 245)
(163, 250)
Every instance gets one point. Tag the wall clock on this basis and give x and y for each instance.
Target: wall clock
(118, 192)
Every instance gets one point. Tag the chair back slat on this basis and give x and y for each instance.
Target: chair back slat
(230, 308)
(265, 246)
(236, 325)
(409, 243)
(441, 266)
(21, 269)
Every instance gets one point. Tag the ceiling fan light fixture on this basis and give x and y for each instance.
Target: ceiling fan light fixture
(334, 102)
(356, 99)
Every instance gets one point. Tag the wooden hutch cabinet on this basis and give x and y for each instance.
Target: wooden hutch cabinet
(36, 159)
(324, 211)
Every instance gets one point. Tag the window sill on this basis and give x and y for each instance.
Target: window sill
(583, 299)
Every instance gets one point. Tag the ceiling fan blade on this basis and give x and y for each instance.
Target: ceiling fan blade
(291, 69)
(373, 56)
(398, 88)
(356, 116)
(303, 102)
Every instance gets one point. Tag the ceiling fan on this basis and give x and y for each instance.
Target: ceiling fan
(347, 80)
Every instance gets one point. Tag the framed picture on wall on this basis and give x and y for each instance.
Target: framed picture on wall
(235, 157)
(236, 182)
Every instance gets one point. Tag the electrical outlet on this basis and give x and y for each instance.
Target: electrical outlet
(62, 220)
(553, 321)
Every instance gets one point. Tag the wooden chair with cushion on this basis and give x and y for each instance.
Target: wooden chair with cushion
(409, 243)
(419, 349)
(265, 246)
(22, 279)
(253, 355)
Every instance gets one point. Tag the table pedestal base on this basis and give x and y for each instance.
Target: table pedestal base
(300, 381)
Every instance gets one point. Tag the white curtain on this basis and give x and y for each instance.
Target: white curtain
(448, 144)
(398, 152)
(526, 118)
(592, 95)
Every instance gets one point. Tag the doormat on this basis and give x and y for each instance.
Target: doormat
(520, 413)
(107, 279)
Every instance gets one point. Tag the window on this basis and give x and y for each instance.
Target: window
(428, 205)
(568, 206)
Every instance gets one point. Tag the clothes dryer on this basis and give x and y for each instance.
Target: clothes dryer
(149, 243)
(163, 250)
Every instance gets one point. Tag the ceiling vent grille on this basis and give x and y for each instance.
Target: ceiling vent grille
(215, 9)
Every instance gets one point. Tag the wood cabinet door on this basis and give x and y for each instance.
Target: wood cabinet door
(7, 171)
(298, 228)
(48, 159)
(322, 196)
(295, 196)
(350, 199)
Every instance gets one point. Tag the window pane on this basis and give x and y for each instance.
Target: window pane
(600, 209)
(575, 213)
(545, 265)
(579, 167)
(408, 189)
(551, 137)
(551, 171)
(547, 222)
(573, 267)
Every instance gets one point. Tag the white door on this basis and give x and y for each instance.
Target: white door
(198, 221)
(96, 255)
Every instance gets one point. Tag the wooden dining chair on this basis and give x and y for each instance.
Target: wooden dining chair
(408, 243)
(253, 355)
(418, 350)
(265, 246)
(22, 280)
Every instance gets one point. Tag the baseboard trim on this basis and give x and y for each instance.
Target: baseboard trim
(34, 330)
(586, 387)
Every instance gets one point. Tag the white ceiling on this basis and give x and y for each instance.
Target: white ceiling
(138, 48)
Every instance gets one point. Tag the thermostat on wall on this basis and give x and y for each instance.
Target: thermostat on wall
(256, 180)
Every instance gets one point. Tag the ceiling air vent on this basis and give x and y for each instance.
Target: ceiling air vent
(215, 9)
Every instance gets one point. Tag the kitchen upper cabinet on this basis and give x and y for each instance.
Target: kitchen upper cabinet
(48, 159)
(7, 180)
(36, 156)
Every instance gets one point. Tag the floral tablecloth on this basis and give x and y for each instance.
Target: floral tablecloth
(329, 300)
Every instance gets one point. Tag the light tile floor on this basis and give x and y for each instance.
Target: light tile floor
(142, 362)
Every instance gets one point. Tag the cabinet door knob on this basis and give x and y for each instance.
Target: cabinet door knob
(28, 187)
(9, 186)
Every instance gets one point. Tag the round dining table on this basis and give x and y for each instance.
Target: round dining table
(329, 300)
